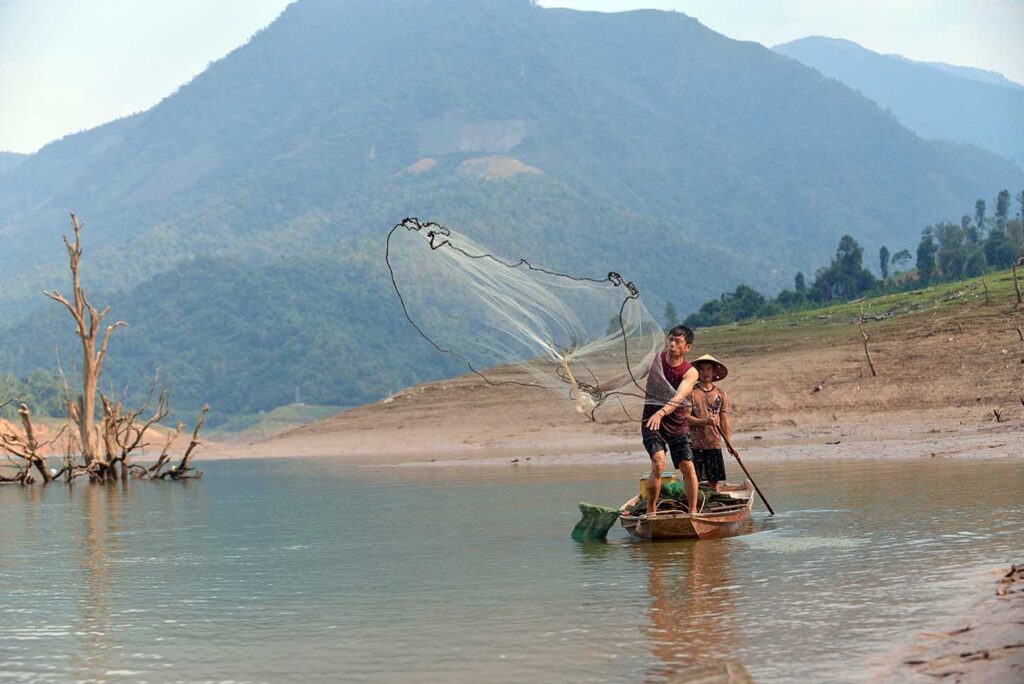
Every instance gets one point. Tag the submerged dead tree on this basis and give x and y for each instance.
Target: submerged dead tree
(102, 450)
(88, 321)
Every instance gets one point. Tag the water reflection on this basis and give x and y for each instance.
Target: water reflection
(692, 611)
(98, 513)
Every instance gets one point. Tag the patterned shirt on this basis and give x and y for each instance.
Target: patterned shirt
(712, 402)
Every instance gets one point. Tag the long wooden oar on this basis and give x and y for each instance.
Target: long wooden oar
(745, 471)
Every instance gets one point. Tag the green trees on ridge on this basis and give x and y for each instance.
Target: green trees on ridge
(946, 252)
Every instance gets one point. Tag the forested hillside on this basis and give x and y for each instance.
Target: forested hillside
(640, 142)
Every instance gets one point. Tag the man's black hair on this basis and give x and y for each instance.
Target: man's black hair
(682, 331)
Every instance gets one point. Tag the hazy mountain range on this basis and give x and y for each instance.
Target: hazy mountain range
(960, 104)
(238, 225)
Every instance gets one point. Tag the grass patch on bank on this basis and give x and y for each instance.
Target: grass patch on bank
(963, 297)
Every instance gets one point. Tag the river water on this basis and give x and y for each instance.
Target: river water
(304, 570)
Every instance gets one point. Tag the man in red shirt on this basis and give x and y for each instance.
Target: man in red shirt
(665, 427)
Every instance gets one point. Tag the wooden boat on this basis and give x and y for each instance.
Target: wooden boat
(724, 520)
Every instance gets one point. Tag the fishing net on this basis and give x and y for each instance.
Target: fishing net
(672, 497)
(594, 523)
(590, 339)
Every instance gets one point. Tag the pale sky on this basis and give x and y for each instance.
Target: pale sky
(70, 65)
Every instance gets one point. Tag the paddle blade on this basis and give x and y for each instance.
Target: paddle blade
(595, 523)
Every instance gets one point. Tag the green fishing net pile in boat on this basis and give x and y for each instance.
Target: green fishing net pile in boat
(673, 497)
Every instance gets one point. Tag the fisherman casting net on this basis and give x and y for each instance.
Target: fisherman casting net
(512, 323)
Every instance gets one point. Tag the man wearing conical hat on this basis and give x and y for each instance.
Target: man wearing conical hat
(712, 406)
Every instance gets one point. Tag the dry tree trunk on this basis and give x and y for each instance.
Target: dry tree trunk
(866, 337)
(33, 446)
(984, 283)
(87, 321)
(1016, 287)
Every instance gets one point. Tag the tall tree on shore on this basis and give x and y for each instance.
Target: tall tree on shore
(846, 276)
(671, 316)
(926, 254)
(952, 254)
(979, 217)
(999, 250)
(1015, 231)
(901, 257)
(1002, 208)
(1020, 201)
(883, 262)
(800, 283)
(970, 230)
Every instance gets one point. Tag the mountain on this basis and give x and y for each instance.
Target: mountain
(640, 142)
(974, 74)
(9, 160)
(959, 104)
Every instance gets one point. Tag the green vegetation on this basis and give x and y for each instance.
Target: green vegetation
(41, 391)
(817, 326)
(947, 252)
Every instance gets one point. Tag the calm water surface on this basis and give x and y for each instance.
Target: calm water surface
(309, 571)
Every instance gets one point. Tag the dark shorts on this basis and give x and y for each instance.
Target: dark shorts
(710, 465)
(679, 447)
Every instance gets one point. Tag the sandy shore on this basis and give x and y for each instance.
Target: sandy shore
(923, 440)
(986, 648)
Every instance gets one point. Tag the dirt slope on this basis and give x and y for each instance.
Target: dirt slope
(946, 363)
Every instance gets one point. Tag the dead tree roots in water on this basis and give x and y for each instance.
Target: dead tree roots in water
(26, 448)
(124, 437)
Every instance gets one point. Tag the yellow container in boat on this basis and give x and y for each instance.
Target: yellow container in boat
(668, 476)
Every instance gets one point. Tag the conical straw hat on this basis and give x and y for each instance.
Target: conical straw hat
(720, 370)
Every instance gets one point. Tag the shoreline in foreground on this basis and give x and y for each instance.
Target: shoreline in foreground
(909, 438)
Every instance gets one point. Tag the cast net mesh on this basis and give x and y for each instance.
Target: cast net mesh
(590, 339)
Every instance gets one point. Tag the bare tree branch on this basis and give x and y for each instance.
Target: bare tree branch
(866, 337)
